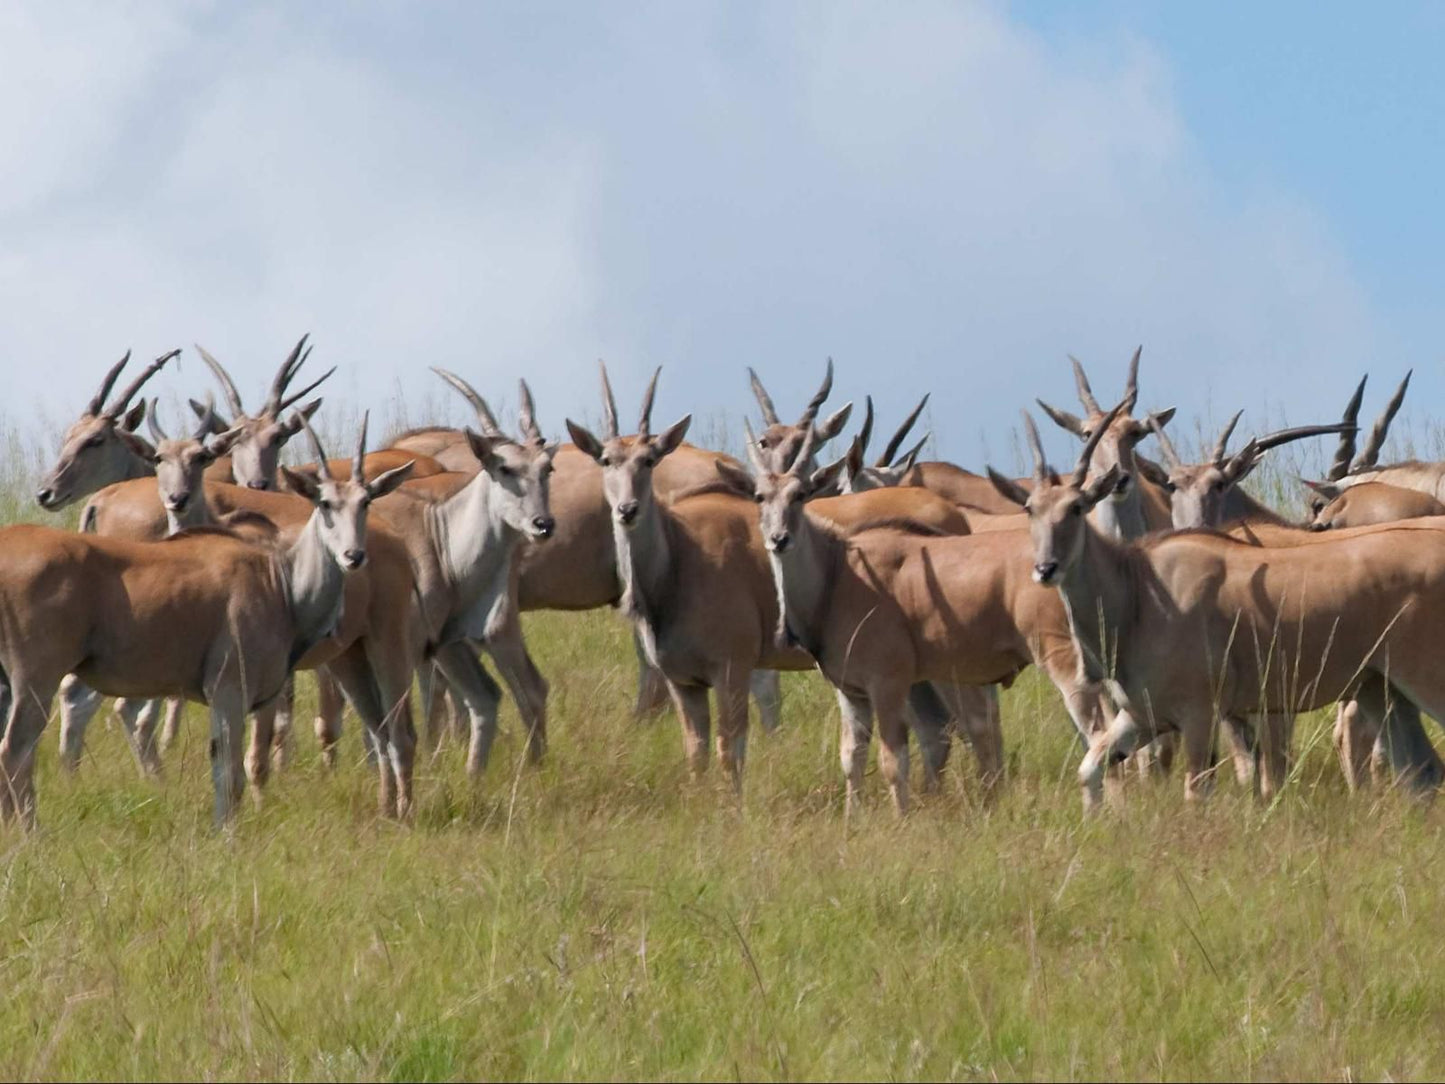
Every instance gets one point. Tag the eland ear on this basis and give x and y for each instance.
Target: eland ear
(387, 481)
(1328, 490)
(826, 481)
(1063, 419)
(1008, 488)
(205, 411)
(483, 447)
(302, 482)
(1101, 486)
(736, 477)
(292, 425)
(670, 438)
(831, 428)
(133, 417)
(1152, 472)
(137, 444)
(585, 441)
(219, 445)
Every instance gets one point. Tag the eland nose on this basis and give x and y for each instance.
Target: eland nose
(627, 512)
(258, 485)
(45, 496)
(779, 539)
(353, 559)
(544, 526)
(1045, 571)
(178, 501)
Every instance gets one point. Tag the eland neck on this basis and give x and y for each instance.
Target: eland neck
(197, 514)
(315, 586)
(644, 562)
(476, 542)
(1098, 597)
(1122, 520)
(804, 574)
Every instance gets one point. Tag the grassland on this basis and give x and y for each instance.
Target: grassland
(604, 917)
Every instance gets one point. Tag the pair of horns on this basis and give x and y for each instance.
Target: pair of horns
(1256, 446)
(209, 423)
(810, 413)
(97, 405)
(1342, 464)
(358, 470)
(1043, 473)
(276, 399)
(609, 405)
(1078, 426)
(1086, 394)
(526, 413)
(890, 453)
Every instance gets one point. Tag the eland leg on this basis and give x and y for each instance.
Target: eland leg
(171, 726)
(976, 710)
(465, 673)
(695, 714)
(854, 736)
(28, 706)
(767, 690)
(525, 682)
(78, 705)
(732, 727)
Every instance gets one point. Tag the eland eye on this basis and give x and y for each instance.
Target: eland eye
(506, 471)
(605, 461)
(1170, 487)
(1076, 509)
(757, 498)
(95, 441)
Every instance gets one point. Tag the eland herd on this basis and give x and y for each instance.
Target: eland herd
(1167, 605)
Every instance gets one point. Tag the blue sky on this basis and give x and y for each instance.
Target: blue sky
(942, 197)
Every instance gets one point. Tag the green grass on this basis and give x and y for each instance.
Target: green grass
(604, 917)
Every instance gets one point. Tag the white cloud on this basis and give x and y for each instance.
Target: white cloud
(930, 193)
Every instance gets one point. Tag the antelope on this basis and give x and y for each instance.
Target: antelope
(1136, 508)
(1201, 496)
(180, 466)
(1204, 495)
(577, 568)
(100, 450)
(94, 452)
(891, 604)
(695, 583)
(890, 468)
(204, 615)
(256, 452)
(1194, 626)
(462, 536)
(779, 442)
(459, 534)
(377, 637)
